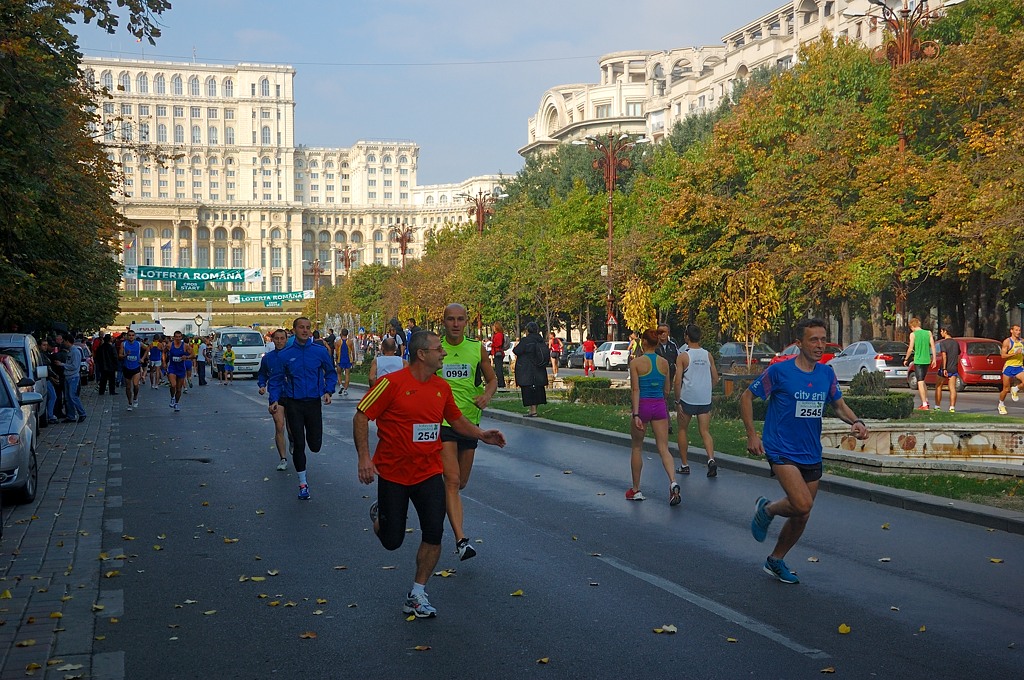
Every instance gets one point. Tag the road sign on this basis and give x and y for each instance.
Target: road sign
(612, 321)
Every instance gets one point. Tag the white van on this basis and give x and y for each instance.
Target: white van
(248, 345)
(147, 331)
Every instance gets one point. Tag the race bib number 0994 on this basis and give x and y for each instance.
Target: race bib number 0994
(455, 371)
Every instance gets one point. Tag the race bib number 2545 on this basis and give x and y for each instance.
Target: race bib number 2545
(809, 409)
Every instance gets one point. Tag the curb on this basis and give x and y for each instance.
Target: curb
(1009, 521)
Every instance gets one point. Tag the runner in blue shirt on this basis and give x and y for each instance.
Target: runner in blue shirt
(272, 371)
(131, 358)
(797, 392)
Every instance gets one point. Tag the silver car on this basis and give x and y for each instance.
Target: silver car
(19, 470)
(24, 349)
(884, 356)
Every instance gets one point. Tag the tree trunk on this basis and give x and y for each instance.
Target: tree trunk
(971, 307)
(845, 323)
(877, 327)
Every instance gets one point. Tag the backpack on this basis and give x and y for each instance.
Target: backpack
(506, 343)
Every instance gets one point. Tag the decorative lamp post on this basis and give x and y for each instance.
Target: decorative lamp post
(612, 158)
(316, 268)
(402, 234)
(199, 324)
(348, 257)
(482, 205)
(902, 48)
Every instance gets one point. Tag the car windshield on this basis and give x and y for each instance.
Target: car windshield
(242, 340)
(19, 356)
(982, 349)
(5, 396)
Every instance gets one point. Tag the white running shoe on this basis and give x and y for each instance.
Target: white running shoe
(135, 403)
(283, 465)
(1013, 393)
(177, 408)
(173, 404)
(1001, 409)
(129, 407)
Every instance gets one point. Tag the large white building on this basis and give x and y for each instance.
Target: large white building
(213, 178)
(647, 91)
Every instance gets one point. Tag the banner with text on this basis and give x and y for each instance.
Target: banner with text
(272, 297)
(175, 274)
(190, 285)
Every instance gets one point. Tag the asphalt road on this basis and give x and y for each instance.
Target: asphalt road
(597, 573)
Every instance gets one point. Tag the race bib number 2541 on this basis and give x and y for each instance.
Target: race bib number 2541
(425, 432)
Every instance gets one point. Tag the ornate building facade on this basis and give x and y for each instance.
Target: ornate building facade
(646, 92)
(213, 178)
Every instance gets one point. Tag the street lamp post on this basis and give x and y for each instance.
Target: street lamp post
(316, 268)
(902, 48)
(480, 206)
(403, 235)
(199, 324)
(348, 257)
(612, 158)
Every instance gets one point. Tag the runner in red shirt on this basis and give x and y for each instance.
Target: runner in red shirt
(409, 406)
(589, 347)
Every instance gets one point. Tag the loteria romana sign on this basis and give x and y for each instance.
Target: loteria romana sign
(175, 274)
(271, 297)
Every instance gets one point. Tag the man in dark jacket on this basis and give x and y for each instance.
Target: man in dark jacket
(308, 377)
(106, 364)
(532, 368)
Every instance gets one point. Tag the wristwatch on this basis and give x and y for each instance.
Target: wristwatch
(636, 415)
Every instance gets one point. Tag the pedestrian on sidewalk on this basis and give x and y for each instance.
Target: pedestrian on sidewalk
(72, 382)
(796, 392)
(106, 365)
(920, 353)
(409, 407)
(499, 345)
(531, 369)
(649, 390)
(949, 367)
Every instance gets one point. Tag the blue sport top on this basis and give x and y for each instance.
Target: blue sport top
(796, 401)
(132, 352)
(652, 383)
(155, 353)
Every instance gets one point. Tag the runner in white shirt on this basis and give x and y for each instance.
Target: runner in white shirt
(695, 374)
(386, 362)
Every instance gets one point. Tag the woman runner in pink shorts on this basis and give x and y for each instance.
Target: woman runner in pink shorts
(648, 381)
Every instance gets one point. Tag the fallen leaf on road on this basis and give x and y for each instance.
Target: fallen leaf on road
(67, 597)
(56, 615)
(206, 504)
(813, 559)
(321, 600)
(410, 617)
(828, 669)
(114, 619)
(6, 595)
(243, 579)
(409, 530)
(98, 607)
(161, 537)
(844, 629)
(289, 604)
(318, 612)
(127, 537)
(389, 568)
(422, 648)
(566, 472)
(921, 629)
(112, 573)
(543, 659)
(157, 547)
(479, 540)
(70, 667)
(354, 605)
(25, 643)
(260, 512)
(308, 635)
(32, 667)
(995, 560)
(209, 612)
(273, 572)
(518, 593)
(885, 559)
(595, 554)
(895, 609)
(103, 557)
(100, 637)
(340, 567)
(191, 601)
(886, 526)
(594, 583)
(230, 540)
(669, 628)
(258, 578)
(273, 603)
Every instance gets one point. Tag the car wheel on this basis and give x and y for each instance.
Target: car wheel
(41, 421)
(607, 365)
(960, 386)
(912, 380)
(27, 493)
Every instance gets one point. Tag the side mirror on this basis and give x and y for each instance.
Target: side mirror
(42, 372)
(26, 382)
(29, 398)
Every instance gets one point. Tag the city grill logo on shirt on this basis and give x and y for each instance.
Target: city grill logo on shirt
(803, 395)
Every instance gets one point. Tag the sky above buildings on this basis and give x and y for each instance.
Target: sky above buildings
(459, 78)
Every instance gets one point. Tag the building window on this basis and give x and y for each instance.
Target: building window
(229, 114)
(125, 83)
(142, 83)
(126, 109)
(194, 112)
(211, 113)
(264, 88)
(193, 86)
(143, 132)
(275, 284)
(229, 135)
(176, 86)
(159, 84)
(211, 88)
(184, 257)
(603, 111)
(634, 109)
(220, 256)
(229, 88)
(275, 257)
(212, 135)
(197, 135)
(236, 258)
(265, 136)
(179, 111)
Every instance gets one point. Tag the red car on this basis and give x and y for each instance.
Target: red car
(980, 365)
(791, 350)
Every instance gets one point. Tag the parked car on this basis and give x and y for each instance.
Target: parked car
(575, 358)
(247, 344)
(791, 350)
(19, 469)
(567, 349)
(611, 355)
(885, 356)
(509, 356)
(980, 365)
(24, 349)
(733, 356)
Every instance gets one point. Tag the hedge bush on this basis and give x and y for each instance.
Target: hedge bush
(896, 405)
(868, 383)
(586, 382)
(890, 406)
(618, 396)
